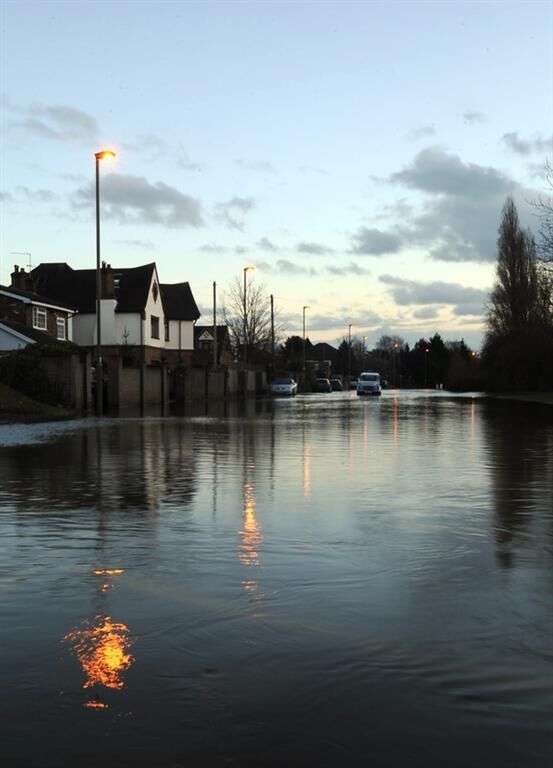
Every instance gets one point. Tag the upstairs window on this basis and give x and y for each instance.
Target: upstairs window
(60, 327)
(167, 330)
(154, 327)
(39, 318)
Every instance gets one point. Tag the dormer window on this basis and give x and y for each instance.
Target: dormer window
(39, 318)
(155, 291)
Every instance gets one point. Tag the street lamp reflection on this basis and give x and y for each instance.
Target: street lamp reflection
(250, 533)
(103, 651)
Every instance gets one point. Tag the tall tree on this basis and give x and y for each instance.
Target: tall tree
(518, 348)
(513, 300)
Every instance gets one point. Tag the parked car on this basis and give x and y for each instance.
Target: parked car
(353, 383)
(336, 384)
(284, 385)
(322, 385)
(369, 384)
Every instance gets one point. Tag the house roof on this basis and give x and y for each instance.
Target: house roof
(60, 281)
(324, 351)
(134, 287)
(178, 302)
(33, 334)
(35, 298)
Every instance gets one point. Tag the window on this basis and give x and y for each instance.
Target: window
(154, 327)
(167, 330)
(60, 326)
(39, 318)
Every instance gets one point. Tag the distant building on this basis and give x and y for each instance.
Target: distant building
(203, 345)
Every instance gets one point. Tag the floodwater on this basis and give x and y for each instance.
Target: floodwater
(320, 581)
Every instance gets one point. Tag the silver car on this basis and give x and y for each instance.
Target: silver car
(369, 384)
(284, 386)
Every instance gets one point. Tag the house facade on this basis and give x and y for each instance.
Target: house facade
(25, 312)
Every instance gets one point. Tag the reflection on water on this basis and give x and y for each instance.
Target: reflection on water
(402, 548)
(103, 650)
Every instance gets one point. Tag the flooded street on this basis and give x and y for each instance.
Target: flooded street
(327, 580)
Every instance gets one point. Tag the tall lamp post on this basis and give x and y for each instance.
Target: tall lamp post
(245, 356)
(349, 349)
(303, 337)
(426, 351)
(103, 155)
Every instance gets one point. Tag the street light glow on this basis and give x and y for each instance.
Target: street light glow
(105, 154)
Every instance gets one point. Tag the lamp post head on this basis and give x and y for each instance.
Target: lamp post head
(248, 267)
(306, 307)
(105, 154)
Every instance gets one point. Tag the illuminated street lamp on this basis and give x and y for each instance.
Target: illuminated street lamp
(245, 270)
(304, 308)
(105, 154)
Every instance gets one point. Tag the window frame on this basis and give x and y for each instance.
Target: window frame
(38, 314)
(61, 323)
(154, 327)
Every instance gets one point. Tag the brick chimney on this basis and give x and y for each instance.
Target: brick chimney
(19, 279)
(107, 281)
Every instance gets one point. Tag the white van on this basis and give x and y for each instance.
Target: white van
(369, 384)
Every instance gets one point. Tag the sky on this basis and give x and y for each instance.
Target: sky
(358, 154)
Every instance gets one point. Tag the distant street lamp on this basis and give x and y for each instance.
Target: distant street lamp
(303, 368)
(105, 154)
(397, 347)
(245, 356)
(426, 351)
(349, 349)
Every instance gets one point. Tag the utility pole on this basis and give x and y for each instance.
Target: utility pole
(272, 336)
(214, 324)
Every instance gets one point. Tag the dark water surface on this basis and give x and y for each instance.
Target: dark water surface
(323, 581)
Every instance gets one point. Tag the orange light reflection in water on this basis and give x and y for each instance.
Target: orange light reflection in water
(108, 571)
(250, 533)
(103, 652)
(306, 472)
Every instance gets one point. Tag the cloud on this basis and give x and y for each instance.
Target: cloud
(58, 123)
(527, 146)
(374, 242)
(259, 166)
(213, 248)
(233, 211)
(474, 118)
(437, 172)
(286, 267)
(37, 195)
(266, 245)
(465, 301)
(459, 220)
(145, 244)
(133, 200)
(148, 144)
(426, 313)
(336, 321)
(350, 269)
(314, 248)
(6, 197)
(420, 133)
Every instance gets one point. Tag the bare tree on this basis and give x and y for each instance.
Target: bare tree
(251, 321)
(544, 209)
